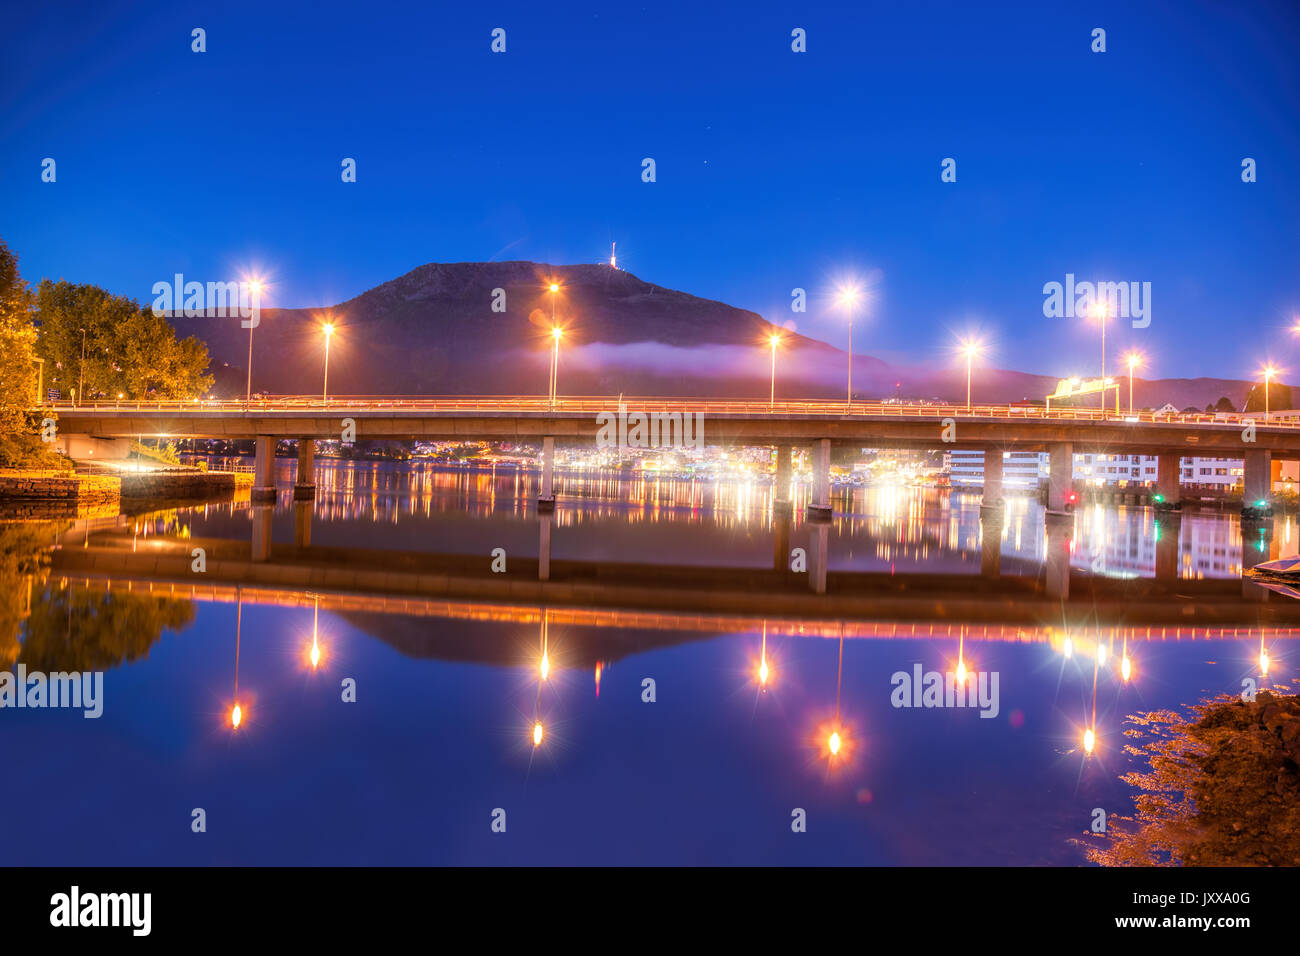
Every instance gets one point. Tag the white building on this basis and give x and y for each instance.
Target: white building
(1027, 470)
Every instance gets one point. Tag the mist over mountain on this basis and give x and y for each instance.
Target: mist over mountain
(434, 331)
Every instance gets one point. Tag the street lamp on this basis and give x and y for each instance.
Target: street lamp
(556, 334)
(774, 340)
(255, 295)
(328, 329)
(970, 348)
(848, 299)
(1100, 312)
(1133, 359)
(555, 287)
(1269, 372)
(81, 376)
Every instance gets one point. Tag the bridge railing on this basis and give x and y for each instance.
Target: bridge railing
(568, 405)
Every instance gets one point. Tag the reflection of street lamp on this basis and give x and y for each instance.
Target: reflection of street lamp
(328, 329)
(848, 299)
(774, 340)
(1134, 359)
(970, 348)
(556, 334)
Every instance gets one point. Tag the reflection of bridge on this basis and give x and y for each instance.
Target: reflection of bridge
(401, 580)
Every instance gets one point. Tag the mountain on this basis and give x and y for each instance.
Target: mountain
(434, 331)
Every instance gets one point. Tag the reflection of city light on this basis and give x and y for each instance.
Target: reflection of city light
(1088, 741)
(961, 672)
(1101, 655)
(537, 734)
(1263, 662)
(315, 655)
(546, 666)
(236, 716)
(1126, 667)
(833, 742)
(1069, 647)
(762, 672)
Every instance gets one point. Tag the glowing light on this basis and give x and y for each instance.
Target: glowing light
(774, 341)
(849, 296)
(1101, 655)
(1089, 741)
(763, 672)
(236, 716)
(537, 734)
(1126, 667)
(1133, 360)
(1069, 647)
(1263, 662)
(555, 287)
(833, 742)
(315, 655)
(557, 333)
(546, 666)
(961, 671)
(328, 329)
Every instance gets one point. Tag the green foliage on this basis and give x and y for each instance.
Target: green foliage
(127, 349)
(73, 629)
(18, 372)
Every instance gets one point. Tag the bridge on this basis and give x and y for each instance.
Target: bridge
(818, 425)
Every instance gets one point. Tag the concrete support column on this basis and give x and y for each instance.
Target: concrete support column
(784, 473)
(1168, 478)
(1258, 480)
(1060, 529)
(1060, 476)
(304, 485)
(546, 492)
(992, 478)
(820, 505)
(302, 509)
(1167, 547)
(262, 516)
(544, 546)
(818, 555)
(991, 522)
(781, 541)
(263, 491)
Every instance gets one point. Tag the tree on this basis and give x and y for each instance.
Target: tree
(1224, 405)
(19, 379)
(127, 349)
(1279, 397)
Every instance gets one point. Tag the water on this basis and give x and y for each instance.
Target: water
(447, 697)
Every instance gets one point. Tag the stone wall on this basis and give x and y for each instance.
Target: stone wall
(58, 486)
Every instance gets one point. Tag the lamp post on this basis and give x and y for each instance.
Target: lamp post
(81, 376)
(1134, 359)
(556, 334)
(1269, 372)
(774, 340)
(849, 298)
(1100, 312)
(328, 329)
(970, 348)
(255, 296)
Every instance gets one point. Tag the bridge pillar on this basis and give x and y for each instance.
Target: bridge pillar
(264, 471)
(1258, 483)
(781, 496)
(1168, 477)
(1060, 477)
(304, 485)
(262, 516)
(302, 509)
(991, 523)
(546, 493)
(546, 518)
(818, 548)
(781, 541)
(992, 478)
(1060, 530)
(1168, 527)
(819, 508)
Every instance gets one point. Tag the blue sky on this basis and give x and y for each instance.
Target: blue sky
(775, 170)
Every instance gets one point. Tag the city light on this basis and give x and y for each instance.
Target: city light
(1089, 741)
(328, 329)
(833, 742)
(537, 734)
(1068, 649)
(236, 717)
(1101, 313)
(774, 340)
(1263, 662)
(545, 667)
(1269, 372)
(1126, 667)
(557, 333)
(970, 348)
(255, 288)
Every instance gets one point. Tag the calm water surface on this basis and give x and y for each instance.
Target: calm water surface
(441, 733)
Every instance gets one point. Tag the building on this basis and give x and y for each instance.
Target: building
(1026, 470)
